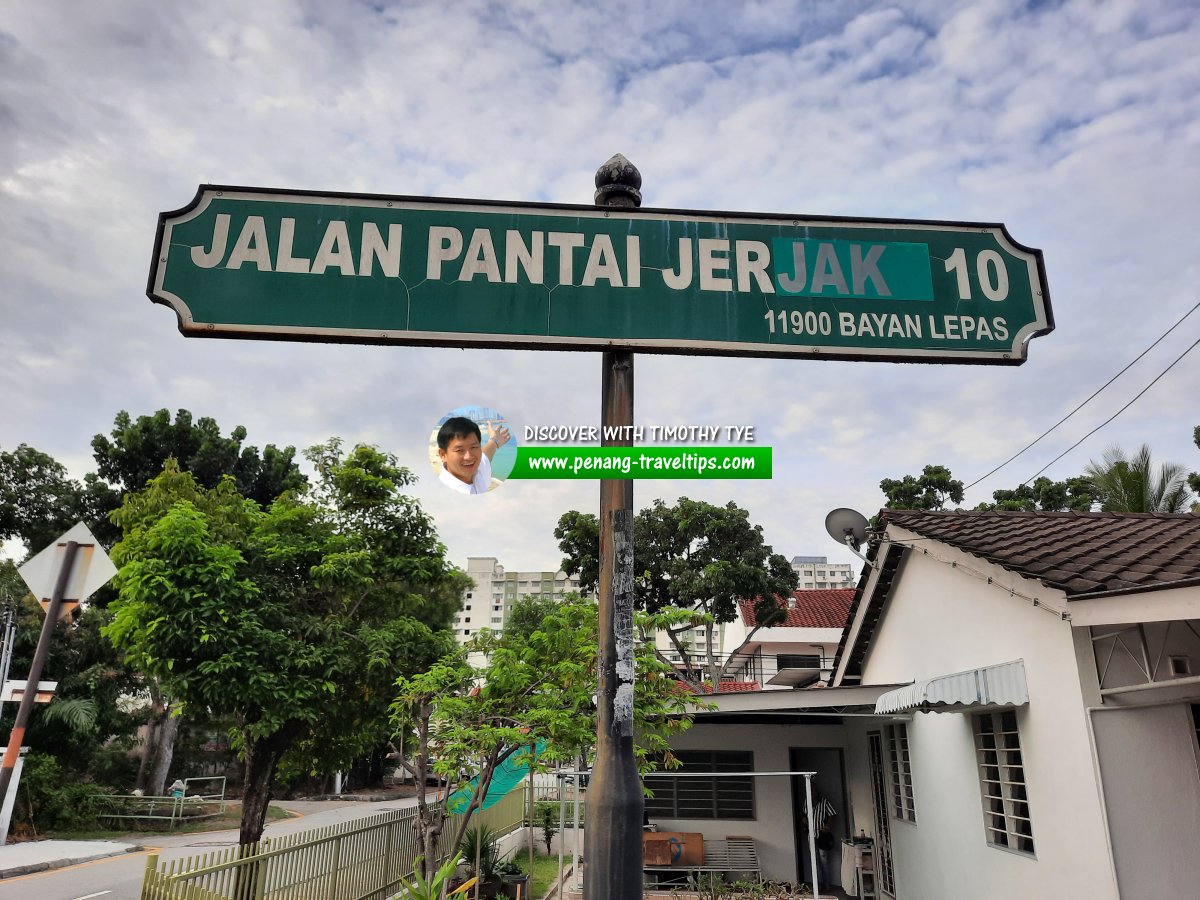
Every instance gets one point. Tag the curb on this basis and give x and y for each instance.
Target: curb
(34, 868)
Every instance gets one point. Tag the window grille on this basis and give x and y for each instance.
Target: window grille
(1002, 785)
(704, 798)
(901, 772)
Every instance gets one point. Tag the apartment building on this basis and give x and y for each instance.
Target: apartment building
(818, 573)
(488, 603)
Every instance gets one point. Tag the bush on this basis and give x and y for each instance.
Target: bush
(49, 800)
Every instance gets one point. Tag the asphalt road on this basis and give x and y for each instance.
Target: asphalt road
(120, 877)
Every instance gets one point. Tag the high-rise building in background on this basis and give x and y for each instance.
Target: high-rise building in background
(488, 603)
(818, 573)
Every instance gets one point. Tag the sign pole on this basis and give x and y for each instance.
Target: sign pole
(35, 670)
(613, 827)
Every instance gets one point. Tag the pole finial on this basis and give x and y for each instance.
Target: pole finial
(618, 182)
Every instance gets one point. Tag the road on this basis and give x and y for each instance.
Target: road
(120, 877)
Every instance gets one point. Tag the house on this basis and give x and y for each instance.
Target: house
(796, 651)
(1046, 742)
(1014, 711)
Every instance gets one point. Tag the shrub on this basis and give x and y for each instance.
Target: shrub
(49, 800)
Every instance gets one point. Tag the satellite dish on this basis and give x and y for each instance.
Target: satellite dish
(847, 526)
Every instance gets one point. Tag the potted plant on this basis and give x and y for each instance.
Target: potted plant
(478, 849)
(514, 880)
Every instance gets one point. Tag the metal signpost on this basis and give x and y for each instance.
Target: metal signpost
(66, 572)
(286, 265)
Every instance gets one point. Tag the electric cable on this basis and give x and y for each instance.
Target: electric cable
(1114, 415)
(1031, 444)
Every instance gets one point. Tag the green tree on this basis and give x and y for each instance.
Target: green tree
(1133, 484)
(1194, 477)
(1044, 495)
(931, 490)
(285, 618)
(533, 687)
(39, 501)
(695, 560)
(137, 449)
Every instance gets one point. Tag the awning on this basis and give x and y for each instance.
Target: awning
(1000, 685)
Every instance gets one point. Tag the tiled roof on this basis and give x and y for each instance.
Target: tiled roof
(1077, 552)
(813, 609)
(732, 687)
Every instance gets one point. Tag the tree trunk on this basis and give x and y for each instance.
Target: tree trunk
(167, 733)
(262, 756)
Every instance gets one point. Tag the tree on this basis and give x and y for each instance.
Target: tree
(1194, 477)
(1044, 495)
(694, 561)
(137, 450)
(289, 619)
(931, 490)
(534, 688)
(39, 501)
(1131, 484)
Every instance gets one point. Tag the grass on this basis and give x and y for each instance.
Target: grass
(545, 871)
(231, 818)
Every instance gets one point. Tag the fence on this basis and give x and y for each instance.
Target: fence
(366, 859)
(172, 810)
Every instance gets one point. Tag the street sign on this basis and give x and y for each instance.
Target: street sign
(253, 262)
(91, 570)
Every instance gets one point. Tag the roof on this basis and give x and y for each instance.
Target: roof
(1080, 553)
(813, 609)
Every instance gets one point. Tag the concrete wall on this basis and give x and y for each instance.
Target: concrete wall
(1148, 760)
(773, 826)
(943, 619)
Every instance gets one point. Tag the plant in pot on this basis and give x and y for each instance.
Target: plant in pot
(478, 849)
(514, 880)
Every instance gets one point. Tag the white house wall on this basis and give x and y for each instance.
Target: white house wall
(773, 826)
(941, 620)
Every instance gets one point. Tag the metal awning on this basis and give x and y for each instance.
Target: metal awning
(1000, 685)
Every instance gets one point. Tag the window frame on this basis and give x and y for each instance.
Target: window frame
(899, 756)
(1003, 782)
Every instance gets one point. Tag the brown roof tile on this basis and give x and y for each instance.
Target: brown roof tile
(1077, 552)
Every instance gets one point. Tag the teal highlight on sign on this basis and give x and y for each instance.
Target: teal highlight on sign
(855, 270)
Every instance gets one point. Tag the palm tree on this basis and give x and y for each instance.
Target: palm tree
(1132, 484)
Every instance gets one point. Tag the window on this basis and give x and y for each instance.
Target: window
(726, 797)
(798, 661)
(901, 773)
(1006, 819)
(496, 619)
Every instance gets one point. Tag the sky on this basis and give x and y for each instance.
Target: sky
(1076, 124)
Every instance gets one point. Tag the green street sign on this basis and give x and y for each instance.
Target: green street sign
(252, 262)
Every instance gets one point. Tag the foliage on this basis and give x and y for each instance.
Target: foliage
(694, 558)
(478, 848)
(548, 820)
(931, 490)
(1132, 484)
(38, 501)
(48, 800)
(534, 688)
(294, 620)
(422, 888)
(137, 450)
(1044, 495)
(1194, 477)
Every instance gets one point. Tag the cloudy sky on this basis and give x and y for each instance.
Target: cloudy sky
(1076, 124)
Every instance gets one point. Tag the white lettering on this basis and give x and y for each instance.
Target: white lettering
(828, 271)
(480, 258)
(864, 270)
(335, 250)
(711, 264)
(677, 281)
(753, 257)
(602, 263)
(795, 284)
(220, 239)
(846, 324)
(528, 257)
(633, 261)
(284, 261)
(566, 242)
(445, 243)
(251, 246)
(375, 248)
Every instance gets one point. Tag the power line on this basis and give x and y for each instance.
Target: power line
(1031, 444)
(1114, 415)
